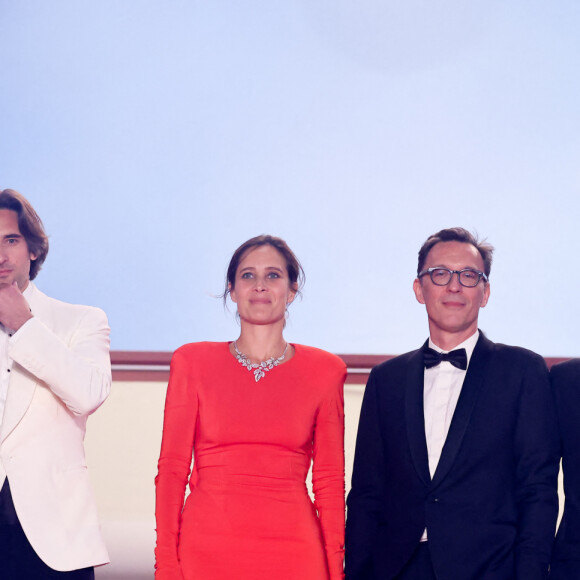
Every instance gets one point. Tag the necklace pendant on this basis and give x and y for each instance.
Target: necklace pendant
(259, 368)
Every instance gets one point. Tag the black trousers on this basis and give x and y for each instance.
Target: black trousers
(419, 567)
(18, 560)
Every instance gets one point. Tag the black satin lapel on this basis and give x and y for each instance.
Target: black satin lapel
(470, 390)
(415, 417)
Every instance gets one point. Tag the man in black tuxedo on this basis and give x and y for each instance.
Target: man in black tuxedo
(456, 463)
(566, 384)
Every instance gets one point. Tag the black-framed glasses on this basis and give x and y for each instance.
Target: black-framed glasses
(442, 276)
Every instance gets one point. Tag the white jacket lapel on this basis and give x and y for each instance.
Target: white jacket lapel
(22, 383)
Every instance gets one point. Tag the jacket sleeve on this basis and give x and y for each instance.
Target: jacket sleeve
(565, 378)
(78, 370)
(328, 472)
(174, 465)
(537, 455)
(365, 497)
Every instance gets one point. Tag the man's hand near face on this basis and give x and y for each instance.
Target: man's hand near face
(14, 310)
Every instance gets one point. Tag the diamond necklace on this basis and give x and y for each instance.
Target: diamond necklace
(259, 368)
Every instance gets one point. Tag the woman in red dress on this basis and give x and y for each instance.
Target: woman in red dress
(253, 414)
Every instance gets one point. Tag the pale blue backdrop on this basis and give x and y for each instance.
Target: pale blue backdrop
(154, 136)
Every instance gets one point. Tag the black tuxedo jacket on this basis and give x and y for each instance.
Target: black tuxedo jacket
(566, 385)
(491, 508)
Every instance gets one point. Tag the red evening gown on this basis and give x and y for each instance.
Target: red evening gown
(249, 516)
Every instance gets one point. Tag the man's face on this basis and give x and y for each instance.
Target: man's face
(453, 309)
(14, 254)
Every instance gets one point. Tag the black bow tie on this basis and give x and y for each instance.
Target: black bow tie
(458, 358)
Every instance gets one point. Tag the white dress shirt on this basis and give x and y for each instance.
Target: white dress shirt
(442, 387)
(6, 361)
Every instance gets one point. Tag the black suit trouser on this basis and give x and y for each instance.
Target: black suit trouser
(18, 560)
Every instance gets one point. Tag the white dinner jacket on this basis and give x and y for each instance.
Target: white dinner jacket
(61, 373)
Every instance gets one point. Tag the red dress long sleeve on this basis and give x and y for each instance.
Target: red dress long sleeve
(248, 515)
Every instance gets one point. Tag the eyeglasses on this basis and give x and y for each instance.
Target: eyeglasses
(442, 276)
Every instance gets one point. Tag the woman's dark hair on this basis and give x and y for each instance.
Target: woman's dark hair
(295, 272)
(30, 226)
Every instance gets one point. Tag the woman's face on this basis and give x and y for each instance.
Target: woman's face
(262, 288)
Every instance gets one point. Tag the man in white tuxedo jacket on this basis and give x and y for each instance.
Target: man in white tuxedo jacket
(54, 372)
